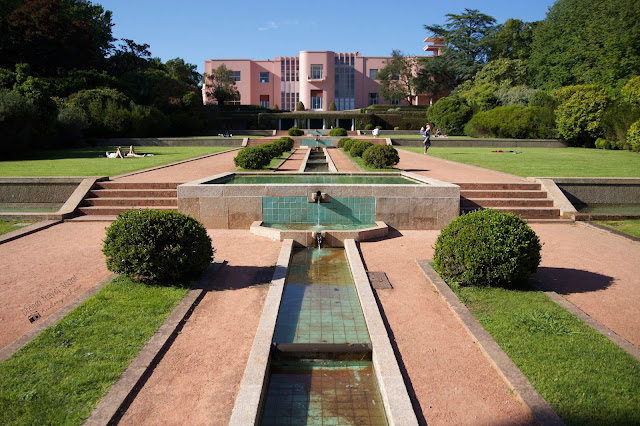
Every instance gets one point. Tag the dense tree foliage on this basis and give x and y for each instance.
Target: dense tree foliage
(587, 42)
(62, 78)
(466, 38)
(511, 40)
(220, 85)
(579, 113)
(397, 79)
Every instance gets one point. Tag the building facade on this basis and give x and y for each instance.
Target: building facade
(317, 78)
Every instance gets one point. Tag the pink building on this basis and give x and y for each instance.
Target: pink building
(316, 78)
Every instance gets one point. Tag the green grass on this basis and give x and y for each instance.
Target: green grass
(585, 377)
(60, 376)
(540, 162)
(10, 225)
(272, 164)
(630, 226)
(360, 162)
(86, 161)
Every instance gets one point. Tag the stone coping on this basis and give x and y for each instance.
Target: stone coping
(330, 237)
(515, 379)
(115, 402)
(304, 160)
(393, 390)
(35, 227)
(247, 408)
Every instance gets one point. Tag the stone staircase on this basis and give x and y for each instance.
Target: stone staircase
(109, 198)
(526, 200)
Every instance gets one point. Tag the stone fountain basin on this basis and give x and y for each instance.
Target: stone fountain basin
(330, 237)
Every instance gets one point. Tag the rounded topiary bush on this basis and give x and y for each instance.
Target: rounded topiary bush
(157, 245)
(294, 131)
(380, 156)
(252, 158)
(347, 144)
(487, 248)
(337, 131)
(342, 141)
(359, 147)
(284, 143)
(369, 127)
(273, 150)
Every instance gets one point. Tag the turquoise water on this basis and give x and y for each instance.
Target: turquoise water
(323, 393)
(328, 178)
(340, 210)
(315, 227)
(320, 303)
(319, 142)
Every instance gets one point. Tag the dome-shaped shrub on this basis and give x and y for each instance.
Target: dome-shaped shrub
(359, 147)
(487, 247)
(252, 158)
(273, 150)
(294, 131)
(285, 142)
(157, 245)
(337, 131)
(347, 144)
(380, 156)
(342, 141)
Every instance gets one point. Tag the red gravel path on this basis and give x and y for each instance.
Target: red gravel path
(342, 162)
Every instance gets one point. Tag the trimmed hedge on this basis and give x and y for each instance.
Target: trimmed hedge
(342, 141)
(294, 131)
(487, 248)
(158, 246)
(380, 156)
(347, 144)
(337, 131)
(358, 148)
(450, 115)
(513, 121)
(252, 158)
(286, 143)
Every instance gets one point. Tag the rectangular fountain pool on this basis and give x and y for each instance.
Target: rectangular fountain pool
(325, 178)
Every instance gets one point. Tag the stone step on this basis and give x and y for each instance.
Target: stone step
(136, 185)
(506, 202)
(522, 186)
(114, 210)
(524, 212)
(132, 193)
(135, 202)
(480, 194)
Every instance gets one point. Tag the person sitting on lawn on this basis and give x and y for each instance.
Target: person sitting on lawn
(117, 154)
(132, 152)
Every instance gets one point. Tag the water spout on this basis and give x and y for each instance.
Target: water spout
(318, 198)
(319, 240)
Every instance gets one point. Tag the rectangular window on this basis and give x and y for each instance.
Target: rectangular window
(235, 75)
(395, 76)
(373, 73)
(264, 77)
(373, 99)
(316, 72)
(264, 101)
(395, 101)
(316, 99)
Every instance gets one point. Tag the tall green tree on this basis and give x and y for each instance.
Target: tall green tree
(466, 39)
(587, 42)
(220, 86)
(511, 40)
(397, 79)
(183, 71)
(436, 76)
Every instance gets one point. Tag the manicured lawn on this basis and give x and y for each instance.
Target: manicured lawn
(630, 227)
(59, 377)
(10, 225)
(540, 162)
(87, 161)
(586, 378)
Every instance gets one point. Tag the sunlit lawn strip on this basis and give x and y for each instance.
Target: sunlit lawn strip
(630, 226)
(585, 377)
(86, 161)
(540, 162)
(60, 376)
(10, 225)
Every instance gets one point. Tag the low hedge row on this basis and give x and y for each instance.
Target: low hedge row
(257, 157)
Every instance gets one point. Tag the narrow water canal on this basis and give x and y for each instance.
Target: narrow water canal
(321, 371)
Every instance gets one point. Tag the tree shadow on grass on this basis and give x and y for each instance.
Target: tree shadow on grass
(569, 281)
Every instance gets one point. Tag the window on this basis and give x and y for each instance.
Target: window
(395, 101)
(395, 76)
(264, 77)
(373, 73)
(316, 72)
(373, 98)
(264, 101)
(316, 99)
(235, 75)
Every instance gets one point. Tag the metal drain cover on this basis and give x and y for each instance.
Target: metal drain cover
(379, 280)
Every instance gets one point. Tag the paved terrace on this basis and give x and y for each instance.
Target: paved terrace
(450, 380)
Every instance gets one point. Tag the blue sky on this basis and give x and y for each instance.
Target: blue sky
(197, 30)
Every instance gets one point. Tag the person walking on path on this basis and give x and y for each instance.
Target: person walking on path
(427, 138)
